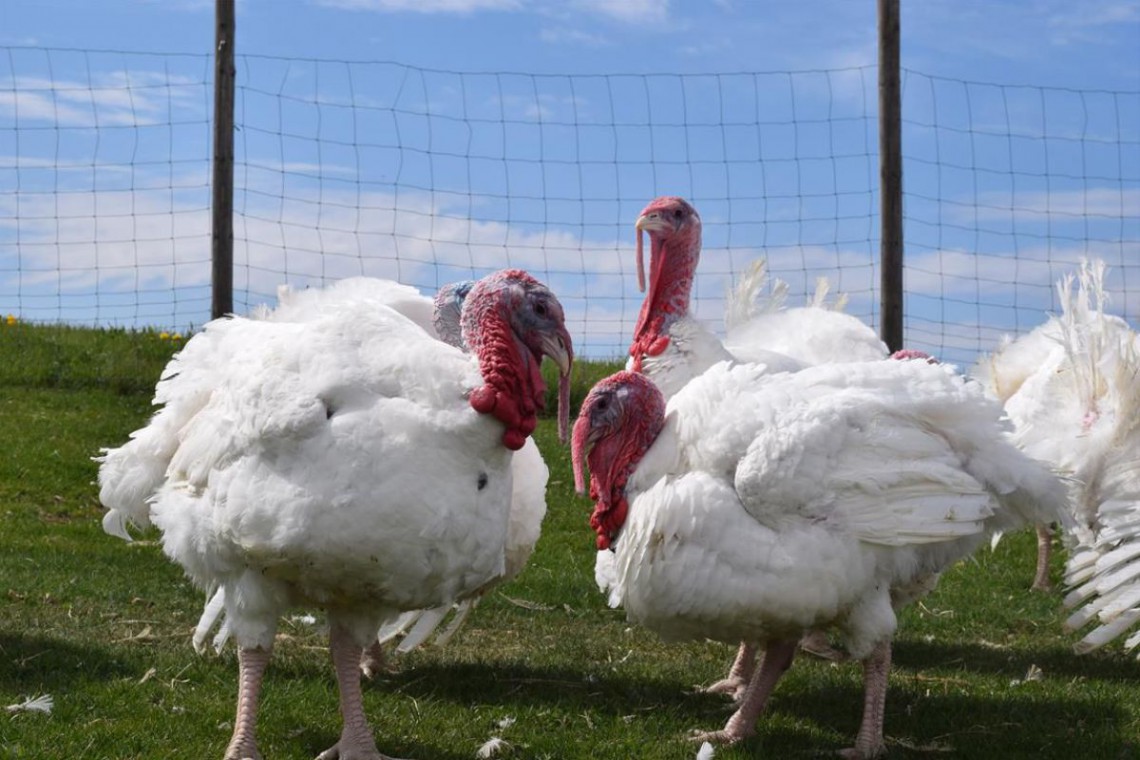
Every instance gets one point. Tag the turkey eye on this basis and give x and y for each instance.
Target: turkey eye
(602, 404)
(540, 309)
(678, 214)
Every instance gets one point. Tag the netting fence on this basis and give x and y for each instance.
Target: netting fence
(428, 176)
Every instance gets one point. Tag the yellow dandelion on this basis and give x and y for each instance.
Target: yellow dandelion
(164, 335)
(11, 319)
(176, 336)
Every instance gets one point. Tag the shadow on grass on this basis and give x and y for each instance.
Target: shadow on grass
(41, 663)
(512, 683)
(920, 722)
(316, 741)
(1059, 662)
(923, 723)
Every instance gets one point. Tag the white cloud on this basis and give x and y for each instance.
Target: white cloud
(566, 35)
(654, 13)
(118, 98)
(424, 6)
(1081, 22)
(640, 12)
(1106, 202)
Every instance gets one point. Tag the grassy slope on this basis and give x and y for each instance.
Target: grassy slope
(104, 627)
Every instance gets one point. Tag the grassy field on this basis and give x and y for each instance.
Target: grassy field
(104, 627)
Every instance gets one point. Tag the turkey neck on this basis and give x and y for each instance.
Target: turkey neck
(513, 389)
(672, 264)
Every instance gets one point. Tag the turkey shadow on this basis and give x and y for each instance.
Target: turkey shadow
(1015, 662)
(316, 741)
(43, 663)
(919, 722)
(517, 684)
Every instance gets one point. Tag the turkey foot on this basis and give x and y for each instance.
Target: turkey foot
(372, 661)
(736, 682)
(816, 643)
(778, 656)
(355, 741)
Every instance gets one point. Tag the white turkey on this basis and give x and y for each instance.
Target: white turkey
(439, 316)
(758, 506)
(1072, 391)
(672, 347)
(351, 461)
(1062, 387)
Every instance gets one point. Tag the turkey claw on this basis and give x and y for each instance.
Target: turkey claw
(336, 753)
(733, 687)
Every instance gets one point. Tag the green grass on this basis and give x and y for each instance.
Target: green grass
(104, 627)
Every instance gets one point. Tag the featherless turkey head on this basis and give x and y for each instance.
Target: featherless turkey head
(674, 230)
(903, 354)
(510, 321)
(448, 304)
(620, 419)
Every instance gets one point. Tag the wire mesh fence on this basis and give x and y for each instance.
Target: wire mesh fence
(427, 176)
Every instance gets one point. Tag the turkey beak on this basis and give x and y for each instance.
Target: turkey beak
(650, 221)
(559, 347)
(640, 254)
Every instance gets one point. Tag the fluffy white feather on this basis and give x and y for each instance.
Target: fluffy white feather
(1071, 388)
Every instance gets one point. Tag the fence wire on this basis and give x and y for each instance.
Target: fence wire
(428, 176)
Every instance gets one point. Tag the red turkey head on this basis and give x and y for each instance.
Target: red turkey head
(674, 229)
(510, 321)
(619, 420)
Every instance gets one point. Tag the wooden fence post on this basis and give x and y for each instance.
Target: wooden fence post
(890, 177)
(222, 205)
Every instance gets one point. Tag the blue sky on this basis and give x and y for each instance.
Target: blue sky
(1022, 129)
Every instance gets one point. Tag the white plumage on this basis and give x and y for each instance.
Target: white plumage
(289, 465)
(1071, 388)
(440, 317)
(816, 333)
(762, 506)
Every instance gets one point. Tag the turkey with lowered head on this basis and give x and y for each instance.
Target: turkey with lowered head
(755, 507)
(352, 462)
(439, 316)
